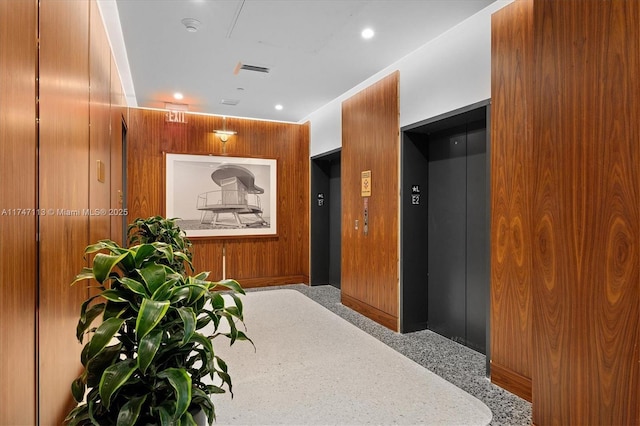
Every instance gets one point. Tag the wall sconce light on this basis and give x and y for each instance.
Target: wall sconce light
(224, 133)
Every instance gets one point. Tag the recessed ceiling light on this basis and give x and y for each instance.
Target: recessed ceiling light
(178, 95)
(279, 107)
(367, 33)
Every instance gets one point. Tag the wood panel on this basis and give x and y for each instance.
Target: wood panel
(370, 141)
(18, 261)
(99, 126)
(64, 193)
(117, 115)
(511, 233)
(252, 261)
(508, 379)
(585, 205)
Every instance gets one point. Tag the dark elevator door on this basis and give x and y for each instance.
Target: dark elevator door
(457, 235)
(326, 219)
(447, 230)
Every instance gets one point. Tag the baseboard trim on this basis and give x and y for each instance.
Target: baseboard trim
(369, 311)
(272, 281)
(511, 381)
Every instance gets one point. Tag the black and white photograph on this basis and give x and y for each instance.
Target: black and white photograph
(221, 196)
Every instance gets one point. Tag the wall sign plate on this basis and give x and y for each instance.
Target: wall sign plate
(365, 178)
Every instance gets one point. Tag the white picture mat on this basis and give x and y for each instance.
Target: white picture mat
(188, 175)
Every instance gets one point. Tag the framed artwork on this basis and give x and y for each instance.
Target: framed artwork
(221, 196)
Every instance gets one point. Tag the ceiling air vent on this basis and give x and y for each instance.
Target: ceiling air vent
(253, 68)
(230, 102)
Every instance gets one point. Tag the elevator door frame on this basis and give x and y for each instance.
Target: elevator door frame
(325, 255)
(407, 233)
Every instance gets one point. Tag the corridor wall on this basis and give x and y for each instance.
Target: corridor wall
(370, 256)
(18, 248)
(565, 232)
(57, 100)
(261, 261)
(511, 186)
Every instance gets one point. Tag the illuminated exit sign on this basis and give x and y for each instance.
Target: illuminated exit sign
(175, 117)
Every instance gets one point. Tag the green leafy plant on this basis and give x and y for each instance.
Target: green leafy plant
(163, 230)
(148, 360)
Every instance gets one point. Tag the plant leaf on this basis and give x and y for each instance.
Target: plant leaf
(233, 333)
(165, 416)
(197, 291)
(180, 294)
(187, 420)
(181, 383)
(103, 264)
(128, 264)
(217, 301)
(114, 310)
(188, 317)
(215, 389)
(165, 290)
(154, 276)
(78, 415)
(92, 410)
(101, 245)
(143, 252)
(147, 349)
(84, 354)
(182, 256)
(77, 388)
(87, 317)
(85, 274)
(209, 354)
(103, 336)
(222, 364)
(134, 286)
(96, 366)
(151, 312)
(202, 322)
(226, 379)
(242, 336)
(238, 304)
(202, 276)
(231, 285)
(114, 377)
(166, 250)
(114, 296)
(130, 411)
(201, 399)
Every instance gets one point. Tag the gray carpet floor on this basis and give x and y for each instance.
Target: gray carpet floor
(453, 362)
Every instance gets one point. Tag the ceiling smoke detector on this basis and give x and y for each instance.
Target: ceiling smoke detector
(192, 25)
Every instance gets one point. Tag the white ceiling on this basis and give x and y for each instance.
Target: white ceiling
(313, 49)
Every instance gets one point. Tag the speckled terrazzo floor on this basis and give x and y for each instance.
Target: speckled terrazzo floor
(453, 362)
(310, 367)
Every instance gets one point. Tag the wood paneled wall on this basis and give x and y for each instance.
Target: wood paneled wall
(99, 127)
(63, 186)
(370, 141)
(572, 83)
(118, 114)
(67, 88)
(586, 201)
(252, 261)
(511, 168)
(18, 262)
